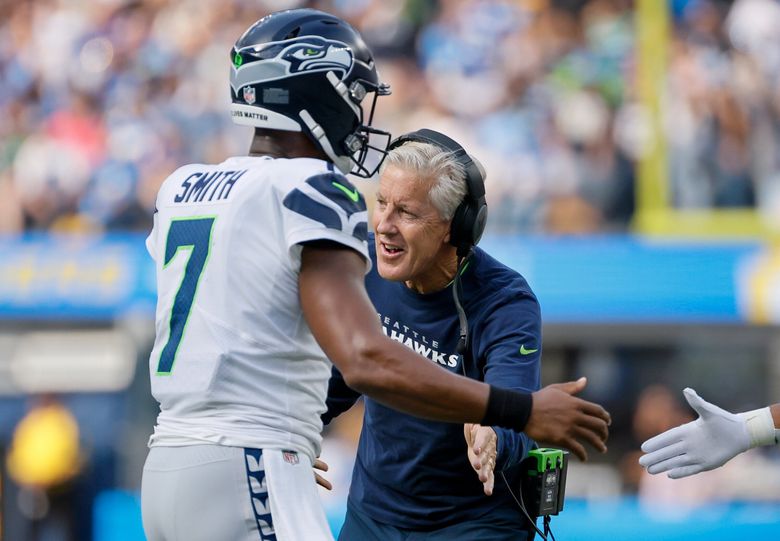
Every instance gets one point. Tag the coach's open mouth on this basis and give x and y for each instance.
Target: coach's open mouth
(390, 250)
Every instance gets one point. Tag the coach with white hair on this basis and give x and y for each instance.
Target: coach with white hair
(417, 476)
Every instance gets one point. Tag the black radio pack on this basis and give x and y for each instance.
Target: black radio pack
(544, 481)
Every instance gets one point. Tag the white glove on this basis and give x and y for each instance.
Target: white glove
(710, 441)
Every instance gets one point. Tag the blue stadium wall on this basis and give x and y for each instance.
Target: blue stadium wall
(609, 279)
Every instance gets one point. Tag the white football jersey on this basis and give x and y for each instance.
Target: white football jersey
(234, 361)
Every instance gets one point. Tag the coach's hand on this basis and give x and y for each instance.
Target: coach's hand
(481, 443)
(322, 466)
(563, 420)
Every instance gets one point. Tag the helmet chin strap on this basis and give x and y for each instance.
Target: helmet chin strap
(344, 163)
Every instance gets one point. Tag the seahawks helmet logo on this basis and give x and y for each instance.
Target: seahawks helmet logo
(279, 60)
(318, 55)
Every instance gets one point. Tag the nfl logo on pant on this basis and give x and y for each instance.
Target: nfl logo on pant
(291, 457)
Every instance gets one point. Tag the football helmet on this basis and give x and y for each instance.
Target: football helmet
(306, 70)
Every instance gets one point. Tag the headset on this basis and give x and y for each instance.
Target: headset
(468, 222)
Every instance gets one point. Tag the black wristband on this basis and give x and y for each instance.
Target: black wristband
(508, 409)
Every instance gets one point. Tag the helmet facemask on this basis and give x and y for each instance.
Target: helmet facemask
(364, 143)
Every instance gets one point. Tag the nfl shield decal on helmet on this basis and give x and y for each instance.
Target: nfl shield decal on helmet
(249, 95)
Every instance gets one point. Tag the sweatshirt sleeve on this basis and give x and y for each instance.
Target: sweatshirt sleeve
(510, 349)
(340, 397)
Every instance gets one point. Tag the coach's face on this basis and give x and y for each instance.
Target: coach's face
(411, 237)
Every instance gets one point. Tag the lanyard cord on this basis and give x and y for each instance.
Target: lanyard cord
(463, 341)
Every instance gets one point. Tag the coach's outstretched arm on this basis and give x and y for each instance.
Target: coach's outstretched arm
(345, 324)
(710, 441)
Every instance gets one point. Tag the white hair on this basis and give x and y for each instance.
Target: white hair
(431, 162)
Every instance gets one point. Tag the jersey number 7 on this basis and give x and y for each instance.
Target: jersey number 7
(193, 235)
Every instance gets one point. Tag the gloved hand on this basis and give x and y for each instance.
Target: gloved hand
(710, 441)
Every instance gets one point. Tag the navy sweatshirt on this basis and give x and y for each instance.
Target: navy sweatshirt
(414, 473)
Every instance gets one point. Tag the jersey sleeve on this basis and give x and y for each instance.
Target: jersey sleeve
(326, 207)
(511, 347)
(151, 240)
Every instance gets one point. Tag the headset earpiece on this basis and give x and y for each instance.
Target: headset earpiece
(468, 222)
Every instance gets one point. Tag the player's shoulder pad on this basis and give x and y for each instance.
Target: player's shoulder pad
(340, 190)
(329, 198)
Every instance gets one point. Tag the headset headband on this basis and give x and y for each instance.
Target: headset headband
(476, 185)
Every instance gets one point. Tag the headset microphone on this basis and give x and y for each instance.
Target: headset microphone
(463, 341)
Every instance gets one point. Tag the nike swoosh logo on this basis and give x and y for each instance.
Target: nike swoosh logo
(524, 351)
(352, 194)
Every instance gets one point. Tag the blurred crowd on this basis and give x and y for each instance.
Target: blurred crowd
(101, 99)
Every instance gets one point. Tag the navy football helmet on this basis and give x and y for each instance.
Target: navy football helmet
(306, 70)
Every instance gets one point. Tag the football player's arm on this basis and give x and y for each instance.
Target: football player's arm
(340, 397)
(344, 322)
(710, 441)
